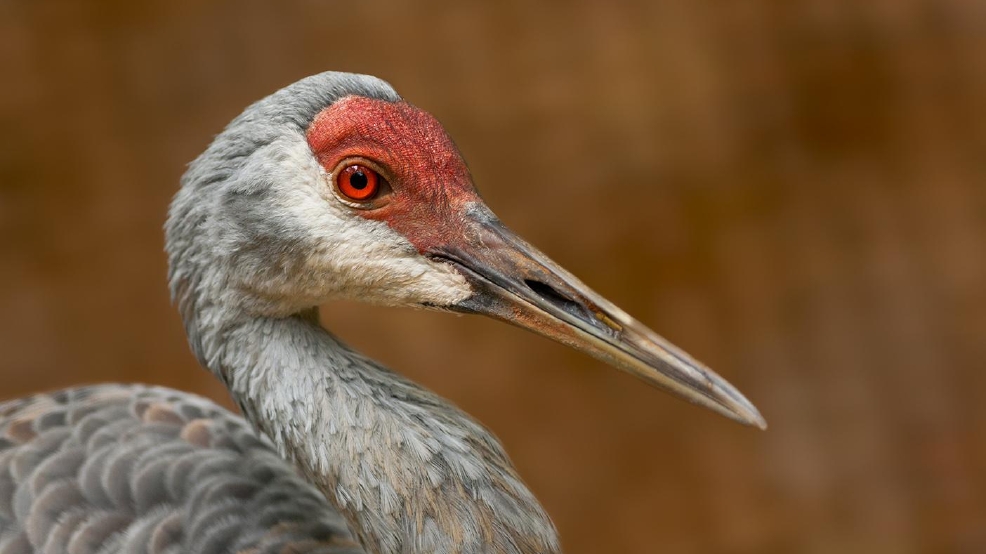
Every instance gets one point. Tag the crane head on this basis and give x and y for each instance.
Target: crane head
(371, 200)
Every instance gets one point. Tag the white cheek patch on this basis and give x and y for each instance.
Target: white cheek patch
(348, 256)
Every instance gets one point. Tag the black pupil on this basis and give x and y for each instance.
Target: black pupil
(358, 180)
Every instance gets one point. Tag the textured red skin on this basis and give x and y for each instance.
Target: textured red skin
(430, 181)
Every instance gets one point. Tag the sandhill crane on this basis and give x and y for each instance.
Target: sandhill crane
(333, 187)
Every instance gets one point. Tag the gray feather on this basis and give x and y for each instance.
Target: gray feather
(101, 485)
(337, 446)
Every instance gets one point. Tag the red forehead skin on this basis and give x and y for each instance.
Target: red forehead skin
(431, 184)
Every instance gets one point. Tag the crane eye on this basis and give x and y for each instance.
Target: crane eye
(358, 182)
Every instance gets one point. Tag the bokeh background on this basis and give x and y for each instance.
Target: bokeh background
(793, 191)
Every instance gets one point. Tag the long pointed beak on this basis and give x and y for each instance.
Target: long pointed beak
(516, 283)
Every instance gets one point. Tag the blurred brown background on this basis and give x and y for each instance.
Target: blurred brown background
(793, 191)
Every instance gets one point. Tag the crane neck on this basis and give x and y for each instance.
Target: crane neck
(410, 471)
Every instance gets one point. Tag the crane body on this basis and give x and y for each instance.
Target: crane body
(331, 188)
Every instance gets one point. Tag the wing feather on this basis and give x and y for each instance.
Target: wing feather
(132, 469)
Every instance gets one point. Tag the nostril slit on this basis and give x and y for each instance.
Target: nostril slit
(558, 299)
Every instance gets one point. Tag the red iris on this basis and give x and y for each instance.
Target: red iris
(358, 182)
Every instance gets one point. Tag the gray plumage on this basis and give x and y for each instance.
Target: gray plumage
(334, 452)
(138, 469)
(127, 469)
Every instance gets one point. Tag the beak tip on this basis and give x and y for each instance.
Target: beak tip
(746, 413)
(730, 402)
(759, 422)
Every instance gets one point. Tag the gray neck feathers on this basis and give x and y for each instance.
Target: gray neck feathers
(411, 472)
